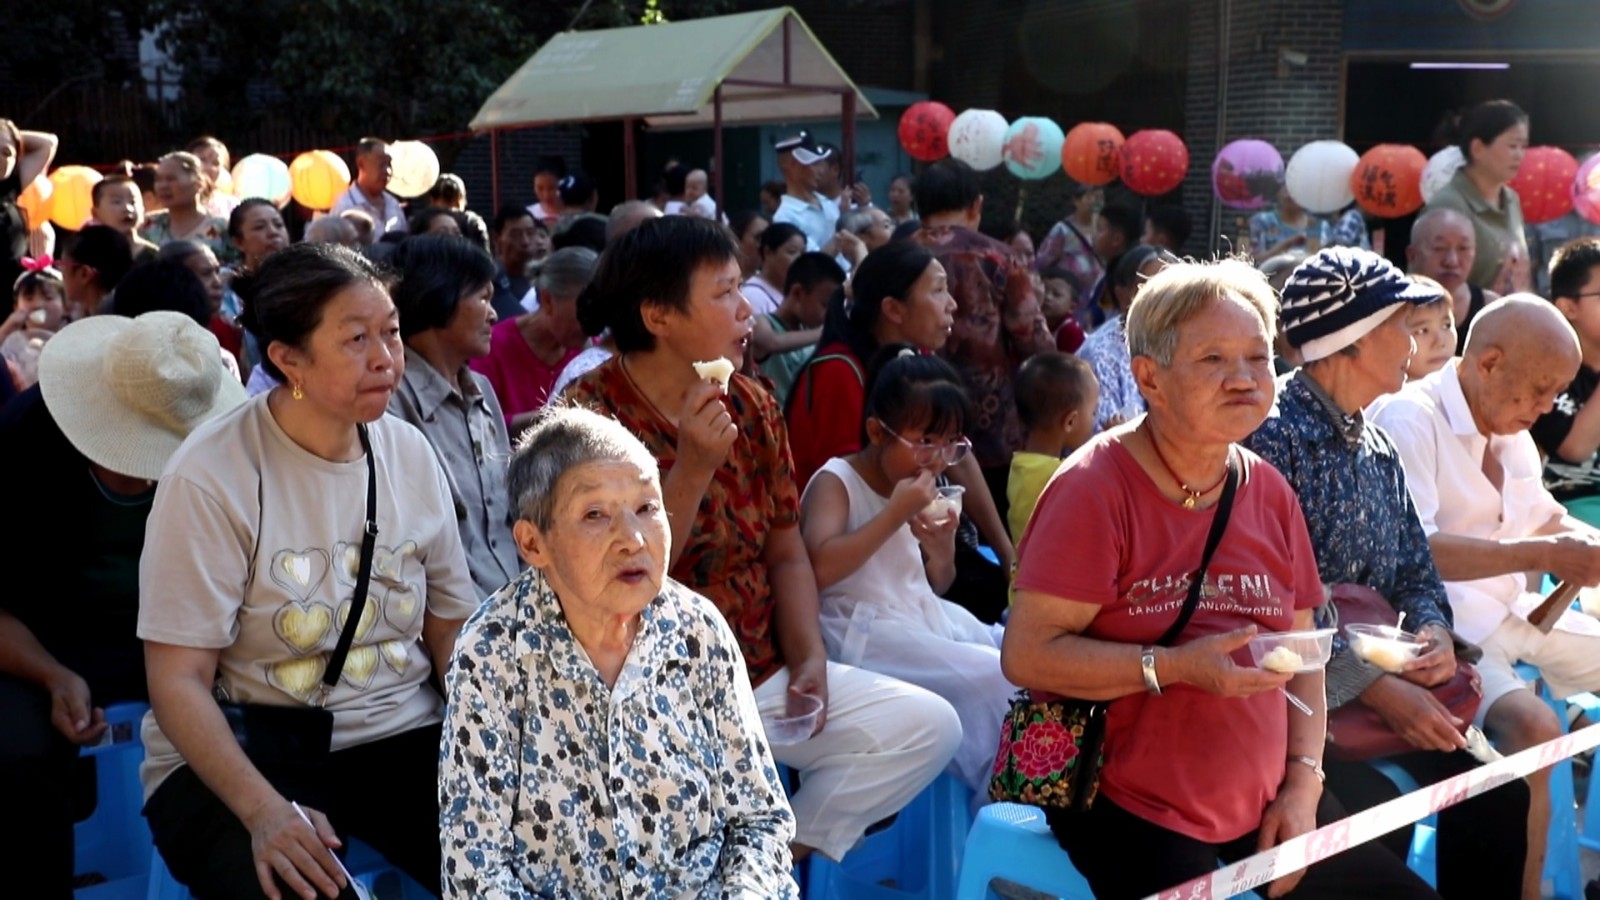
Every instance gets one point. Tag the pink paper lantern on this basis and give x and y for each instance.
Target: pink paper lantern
(1586, 190)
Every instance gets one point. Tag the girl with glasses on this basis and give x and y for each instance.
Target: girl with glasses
(881, 535)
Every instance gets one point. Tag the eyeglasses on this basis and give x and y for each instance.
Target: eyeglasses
(924, 452)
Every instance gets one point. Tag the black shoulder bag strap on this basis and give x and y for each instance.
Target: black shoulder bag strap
(358, 601)
(1219, 524)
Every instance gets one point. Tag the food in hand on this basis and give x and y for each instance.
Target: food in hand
(1282, 659)
(38, 317)
(940, 509)
(717, 370)
(1388, 654)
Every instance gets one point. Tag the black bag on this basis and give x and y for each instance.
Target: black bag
(1051, 750)
(276, 735)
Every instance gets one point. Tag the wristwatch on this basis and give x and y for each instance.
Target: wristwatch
(1147, 664)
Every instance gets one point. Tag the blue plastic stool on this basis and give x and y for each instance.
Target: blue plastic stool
(916, 858)
(1589, 837)
(114, 841)
(1014, 842)
(1563, 862)
(1422, 860)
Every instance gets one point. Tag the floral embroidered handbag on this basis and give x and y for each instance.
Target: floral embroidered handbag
(1051, 750)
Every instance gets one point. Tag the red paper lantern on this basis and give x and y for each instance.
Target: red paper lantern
(1387, 181)
(924, 128)
(1090, 153)
(1154, 162)
(1544, 184)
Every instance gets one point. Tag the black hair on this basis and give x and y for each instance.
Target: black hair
(1571, 265)
(284, 300)
(106, 250)
(507, 214)
(1058, 273)
(654, 264)
(143, 175)
(909, 389)
(576, 189)
(775, 188)
(1124, 219)
(835, 156)
(776, 235)
(1050, 385)
(436, 272)
(420, 221)
(100, 187)
(811, 269)
(905, 230)
(162, 285)
(741, 221)
(583, 231)
(236, 218)
(1485, 122)
(37, 282)
(1172, 221)
(673, 180)
(448, 189)
(550, 165)
(949, 185)
(889, 271)
(1126, 271)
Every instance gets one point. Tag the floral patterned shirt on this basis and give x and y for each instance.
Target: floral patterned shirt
(1068, 247)
(1364, 526)
(998, 324)
(213, 232)
(752, 495)
(552, 785)
(1106, 352)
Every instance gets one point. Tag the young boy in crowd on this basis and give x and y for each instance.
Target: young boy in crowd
(119, 204)
(1058, 301)
(1569, 434)
(783, 339)
(1056, 397)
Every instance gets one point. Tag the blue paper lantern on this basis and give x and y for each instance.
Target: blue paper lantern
(1032, 148)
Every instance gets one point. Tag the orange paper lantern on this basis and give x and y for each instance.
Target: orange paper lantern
(71, 200)
(317, 178)
(924, 130)
(1544, 184)
(1090, 153)
(1387, 180)
(1154, 162)
(35, 200)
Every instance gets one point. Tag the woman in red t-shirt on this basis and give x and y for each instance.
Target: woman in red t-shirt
(1204, 760)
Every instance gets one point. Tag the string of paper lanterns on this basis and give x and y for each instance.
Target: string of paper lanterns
(1322, 177)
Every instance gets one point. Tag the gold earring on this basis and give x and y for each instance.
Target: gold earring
(297, 393)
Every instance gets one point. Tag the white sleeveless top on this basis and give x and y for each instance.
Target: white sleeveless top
(891, 586)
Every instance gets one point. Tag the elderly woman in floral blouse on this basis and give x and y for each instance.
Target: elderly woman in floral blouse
(603, 739)
(1346, 311)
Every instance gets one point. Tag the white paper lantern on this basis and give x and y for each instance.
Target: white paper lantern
(978, 138)
(1318, 176)
(416, 169)
(1441, 167)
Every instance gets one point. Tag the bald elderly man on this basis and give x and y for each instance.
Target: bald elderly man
(1475, 476)
(1443, 247)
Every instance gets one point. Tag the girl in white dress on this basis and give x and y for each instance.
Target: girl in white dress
(883, 546)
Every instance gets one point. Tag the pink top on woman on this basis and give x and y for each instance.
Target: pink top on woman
(521, 380)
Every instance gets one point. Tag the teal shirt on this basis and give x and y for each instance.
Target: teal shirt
(782, 368)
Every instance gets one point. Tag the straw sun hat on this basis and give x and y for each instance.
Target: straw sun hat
(126, 392)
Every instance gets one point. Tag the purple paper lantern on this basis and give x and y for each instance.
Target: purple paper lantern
(1247, 175)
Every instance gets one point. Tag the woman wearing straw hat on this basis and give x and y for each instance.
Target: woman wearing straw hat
(115, 398)
(308, 584)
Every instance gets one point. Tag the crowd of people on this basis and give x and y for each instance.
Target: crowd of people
(448, 535)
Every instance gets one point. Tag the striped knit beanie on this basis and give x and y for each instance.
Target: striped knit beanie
(1338, 295)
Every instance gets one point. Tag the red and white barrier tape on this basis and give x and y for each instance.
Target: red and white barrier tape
(1336, 837)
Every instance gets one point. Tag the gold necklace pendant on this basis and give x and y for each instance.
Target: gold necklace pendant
(1188, 502)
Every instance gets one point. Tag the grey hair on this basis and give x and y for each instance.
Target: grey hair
(566, 272)
(330, 230)
(561, 439)
(1179, 292)
(856, 221)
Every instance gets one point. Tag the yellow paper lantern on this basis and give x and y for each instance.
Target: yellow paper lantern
(35, 200)
(317, 178)
(72, 200)
(416, 169)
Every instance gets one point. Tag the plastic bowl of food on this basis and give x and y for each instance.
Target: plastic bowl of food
(1293, 651)
(787, 730)
(1384, 646)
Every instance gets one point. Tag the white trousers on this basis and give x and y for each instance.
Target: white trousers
(883, 742)
(1568, 658)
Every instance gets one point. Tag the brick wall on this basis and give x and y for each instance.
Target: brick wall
(1287, 112)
